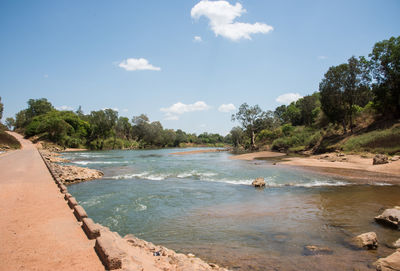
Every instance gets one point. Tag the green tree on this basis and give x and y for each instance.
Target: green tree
(343, 88)
(37, 107)
(385, 64)
(237, 135)
(1, 109)
(102, 124)
(248, 116)
(20, 119)
(123, 128)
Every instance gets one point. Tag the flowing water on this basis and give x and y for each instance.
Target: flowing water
(204, 204)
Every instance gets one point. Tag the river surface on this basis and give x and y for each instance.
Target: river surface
(204, 204)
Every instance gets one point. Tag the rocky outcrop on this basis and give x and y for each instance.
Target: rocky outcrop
(367, 240)
(390, 263)
(380, 159)
(74, 174)
(123, 254)
(258, 182)
(68, 174)
(390, 217)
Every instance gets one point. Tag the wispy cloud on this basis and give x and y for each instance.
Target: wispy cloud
(137, 64)
(197, 39)
(173, 112)
(64, 108)
(287, 98)
(222, 15)
(115, 108)
(226, 108)
(322, 57)
(45, 75)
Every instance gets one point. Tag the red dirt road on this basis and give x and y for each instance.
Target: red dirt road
(37, 229)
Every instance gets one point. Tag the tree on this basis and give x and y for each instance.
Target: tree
(385, 65)
(1, 109)
(248, 116)
(10, 122)
(342, 88)
(307, 106)
(237, 135)
(123, 128)
(37, 107)
(102, 123)
(20, 119)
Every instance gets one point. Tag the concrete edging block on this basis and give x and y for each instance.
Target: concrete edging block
(91, 229)
(79, 212)
(108, 253)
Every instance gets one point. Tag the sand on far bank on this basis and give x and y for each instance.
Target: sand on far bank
(74, 149)
(348, 166)
(257, 155)
(197, 151)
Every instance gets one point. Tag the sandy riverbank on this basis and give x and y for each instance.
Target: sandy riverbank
(198, 151)
(352, 167)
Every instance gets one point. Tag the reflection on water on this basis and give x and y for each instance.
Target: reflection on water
(199, 204)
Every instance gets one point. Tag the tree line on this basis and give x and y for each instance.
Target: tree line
(362, 85)
(102, 129)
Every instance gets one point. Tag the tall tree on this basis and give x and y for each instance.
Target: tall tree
(248, 116)
(385, 63)
(38, 107)
(1, 109)
(10, 122)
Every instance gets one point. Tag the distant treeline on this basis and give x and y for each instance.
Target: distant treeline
(102, 129)
(361, 89)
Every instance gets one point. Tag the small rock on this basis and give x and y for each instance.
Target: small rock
(367, 240)
(315, 250)
(258, 182)
(395, 158)
(380, 159)
(390, 217)
(190, 255)
(397, 243)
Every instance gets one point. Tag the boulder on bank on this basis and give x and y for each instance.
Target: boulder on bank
(380, 159)
(258, 182)
(397, 243)
(390, 217)
(367, 240)
(390, 263)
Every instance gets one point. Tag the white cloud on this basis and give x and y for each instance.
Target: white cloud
(45, 76)
(226, 108)
(322, 57)
(115, 108)
(137, 64)
(173, 112)
(197, 39)
(221, 15)
(288, 98)
(125, 110)
(65, 108)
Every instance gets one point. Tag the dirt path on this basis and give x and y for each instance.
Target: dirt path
(37, 229)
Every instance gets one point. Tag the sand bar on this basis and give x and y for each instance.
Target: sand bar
(257, 155)
(197, 151)
(37, 229)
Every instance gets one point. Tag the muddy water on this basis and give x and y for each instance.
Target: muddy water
(203, 204)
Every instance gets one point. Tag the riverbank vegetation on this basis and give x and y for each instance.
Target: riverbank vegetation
(102, 129)
(356, 109)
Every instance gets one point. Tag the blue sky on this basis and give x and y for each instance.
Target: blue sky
(179, 61)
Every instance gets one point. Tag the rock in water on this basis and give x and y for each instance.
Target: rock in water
(390, 217)
(390, 263)
(316, 250)
(367, 240)
(380, 159)
(259, 182)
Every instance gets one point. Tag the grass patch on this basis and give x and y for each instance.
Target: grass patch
(9, 141)
(378, 141)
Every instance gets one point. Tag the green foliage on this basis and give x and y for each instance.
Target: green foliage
(385, 66)
(10, 122)
(378, 141)
(297, 139)
(1, 109)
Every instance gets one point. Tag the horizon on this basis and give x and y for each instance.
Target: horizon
(189, 65)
